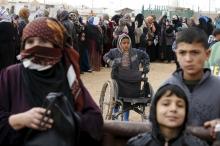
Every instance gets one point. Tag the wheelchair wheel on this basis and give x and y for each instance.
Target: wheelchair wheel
(107, 99)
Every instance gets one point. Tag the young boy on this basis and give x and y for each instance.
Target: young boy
(125, 62)
(200, 86)
(168, 116)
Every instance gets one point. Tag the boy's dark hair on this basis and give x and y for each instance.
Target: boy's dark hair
(192, 35)
(216, 32)
(174, 90)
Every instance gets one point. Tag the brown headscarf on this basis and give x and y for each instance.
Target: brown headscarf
(53, 31)
(24, 13)
(47, 29)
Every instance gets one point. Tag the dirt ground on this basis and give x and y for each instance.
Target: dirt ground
(159, 72)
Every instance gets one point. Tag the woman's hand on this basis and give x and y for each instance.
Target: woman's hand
(33, 118)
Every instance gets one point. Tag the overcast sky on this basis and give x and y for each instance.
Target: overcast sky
(137, 4)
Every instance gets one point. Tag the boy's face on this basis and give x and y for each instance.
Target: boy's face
(191, 58)
(125, 44)
(171, 111)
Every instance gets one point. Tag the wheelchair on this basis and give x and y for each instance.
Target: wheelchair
(109, 99)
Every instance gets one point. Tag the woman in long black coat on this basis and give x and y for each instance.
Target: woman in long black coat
(7, 41)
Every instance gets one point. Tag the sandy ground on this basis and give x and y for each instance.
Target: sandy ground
(159, 72)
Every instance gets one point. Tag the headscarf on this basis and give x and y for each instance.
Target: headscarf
(204, 18)
(120, 38)
(53, 31)
(94, 20)
(46, 13)
(127, 19)
(4, 16)
(105, 17)
(41, 13)
(48, 29)
(116, 18)
(24, 13)
(74, 16)
(62, 15)
(139, 18)
(122, 22)
(121, 28)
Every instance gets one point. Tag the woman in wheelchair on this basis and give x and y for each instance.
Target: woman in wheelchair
(125, 62)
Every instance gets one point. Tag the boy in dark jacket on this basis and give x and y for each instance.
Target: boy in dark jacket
(168, 115)
(200, 86)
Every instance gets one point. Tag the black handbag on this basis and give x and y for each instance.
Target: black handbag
(65, 129)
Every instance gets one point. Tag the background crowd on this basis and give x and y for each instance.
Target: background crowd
(93, 37)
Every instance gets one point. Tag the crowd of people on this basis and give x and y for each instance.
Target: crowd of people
(48, 55)
(94, 37)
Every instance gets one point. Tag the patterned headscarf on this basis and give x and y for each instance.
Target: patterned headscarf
(41, 13)
(127, 18)
(53, 31)
(94, 20)
(4, 16)
(46, 29)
